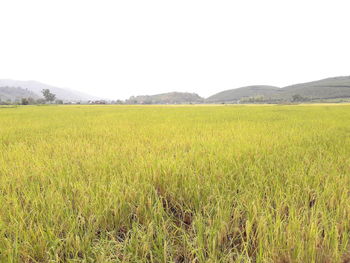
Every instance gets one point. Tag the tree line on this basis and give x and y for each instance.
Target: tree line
(48, 98)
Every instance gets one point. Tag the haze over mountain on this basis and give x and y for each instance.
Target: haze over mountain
(35, 89)
(16, 94)
(166, 98)
(336, 87)
(330, 88)
(239, 93)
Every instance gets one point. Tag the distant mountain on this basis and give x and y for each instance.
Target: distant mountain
(36, 87)
(330, 88)
(15, 94)
(166, 98)
(234, 95)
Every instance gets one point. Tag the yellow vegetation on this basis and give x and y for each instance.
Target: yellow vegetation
(175, 184)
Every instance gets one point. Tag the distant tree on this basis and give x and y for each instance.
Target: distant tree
(49, 97)
(31, 101)
(119, 102)
(59, 101)
(40, 101)
(297, 98)
(254, 99)
(24, 101)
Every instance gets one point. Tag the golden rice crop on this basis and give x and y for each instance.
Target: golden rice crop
(175, 184)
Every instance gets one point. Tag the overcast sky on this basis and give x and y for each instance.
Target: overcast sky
(116, 49)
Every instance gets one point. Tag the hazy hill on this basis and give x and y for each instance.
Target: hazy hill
(36, 87)
(166, 98)
(234, 95)
(330, 88)
(16, 94)
(338, 87)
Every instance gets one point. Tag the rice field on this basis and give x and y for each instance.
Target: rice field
(175, 183)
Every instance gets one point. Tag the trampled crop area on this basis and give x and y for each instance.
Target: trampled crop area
(175, 183)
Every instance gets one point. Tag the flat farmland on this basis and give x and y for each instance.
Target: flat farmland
(175, 183)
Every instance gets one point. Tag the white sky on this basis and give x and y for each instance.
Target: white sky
(115, 49)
